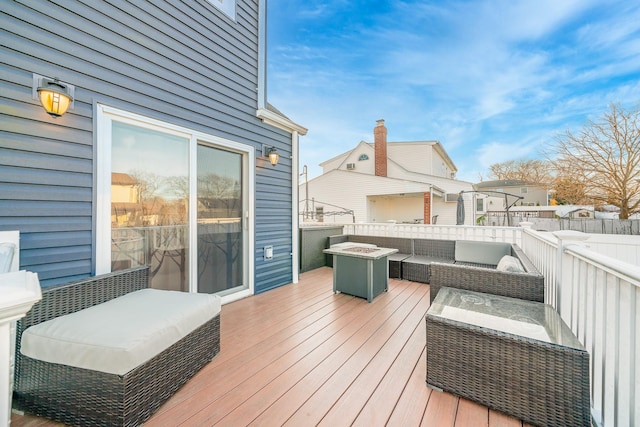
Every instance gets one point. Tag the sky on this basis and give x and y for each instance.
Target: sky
(491, 80)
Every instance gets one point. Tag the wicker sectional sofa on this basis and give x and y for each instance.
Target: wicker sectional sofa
(86, 396)
(464, 264)
(527, 285)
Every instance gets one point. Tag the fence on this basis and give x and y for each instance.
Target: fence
(444, 232)
(597, 296)
(313, 240)
(585, 225)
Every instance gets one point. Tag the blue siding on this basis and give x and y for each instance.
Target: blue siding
(182, 62)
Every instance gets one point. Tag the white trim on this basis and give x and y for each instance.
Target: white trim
(228, 7)
(105, 116)
(295, 200)
(281, 122)
(262, 54)
(103, 190)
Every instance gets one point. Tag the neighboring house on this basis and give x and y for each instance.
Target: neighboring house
(518, 214)
(160, 158)
(521, 192)
(407, 182)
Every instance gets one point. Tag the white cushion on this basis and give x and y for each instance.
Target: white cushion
(481, 252)
(120, 334)
(510, 263)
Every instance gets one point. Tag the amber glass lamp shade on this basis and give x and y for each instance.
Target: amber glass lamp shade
(274, 157)
(54, 97)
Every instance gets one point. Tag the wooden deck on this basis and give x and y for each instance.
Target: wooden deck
(301, 356)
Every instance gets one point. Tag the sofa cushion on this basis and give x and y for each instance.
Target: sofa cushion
(398, 257)
(481, 252)
(511, 264)
(120, 334)
(419, 259)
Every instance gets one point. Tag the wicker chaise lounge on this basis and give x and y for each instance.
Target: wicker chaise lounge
(80, 396)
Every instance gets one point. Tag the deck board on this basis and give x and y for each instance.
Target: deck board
(301, 355)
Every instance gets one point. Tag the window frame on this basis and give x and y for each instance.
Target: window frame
(105, 116)
(228, 7)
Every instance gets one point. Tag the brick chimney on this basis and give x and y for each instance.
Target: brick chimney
(380, 146)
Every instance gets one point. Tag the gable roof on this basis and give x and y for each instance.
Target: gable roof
(436, 145)
(504, 183)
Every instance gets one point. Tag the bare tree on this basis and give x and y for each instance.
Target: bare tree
(569, 191)
(604, 157)
(534, 171)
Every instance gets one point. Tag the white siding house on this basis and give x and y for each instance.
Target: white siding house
(396, 181)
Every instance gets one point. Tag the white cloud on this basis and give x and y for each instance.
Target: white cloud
(490, 79)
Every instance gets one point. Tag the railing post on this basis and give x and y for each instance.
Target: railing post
(565, 238)
(526, 225)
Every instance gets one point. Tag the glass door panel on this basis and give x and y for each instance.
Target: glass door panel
(220, 227)
(149, 204)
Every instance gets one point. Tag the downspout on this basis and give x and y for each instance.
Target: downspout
(296, 130)
(295, 207)
(262, 54)
(430, 204)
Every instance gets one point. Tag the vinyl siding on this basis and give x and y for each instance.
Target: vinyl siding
(413, 156)
(361, 166)
(354, 189)
(362, 188)
(181, 62)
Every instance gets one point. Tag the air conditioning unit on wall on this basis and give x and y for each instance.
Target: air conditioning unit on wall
(351, 166)
(451, 197)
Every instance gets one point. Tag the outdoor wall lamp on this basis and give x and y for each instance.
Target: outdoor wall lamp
(56, 97)
(272, 154)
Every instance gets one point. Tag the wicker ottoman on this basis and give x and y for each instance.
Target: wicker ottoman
(79, 396)
(512, 355)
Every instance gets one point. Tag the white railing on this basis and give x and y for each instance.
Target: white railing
(444, 232)
(542, 249)
(598, 297)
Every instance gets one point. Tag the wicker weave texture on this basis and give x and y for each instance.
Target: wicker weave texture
(426, 251)
(542, 384)
(435, 248)
(528, 286)
(84, 397)
(395, 269)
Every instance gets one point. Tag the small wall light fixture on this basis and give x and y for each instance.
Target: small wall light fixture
(272, 154)
(56, 97)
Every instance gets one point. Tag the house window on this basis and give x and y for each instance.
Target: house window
(363, 157)
(175, 200)
(480, 205)
(227, 6)
(320, 214)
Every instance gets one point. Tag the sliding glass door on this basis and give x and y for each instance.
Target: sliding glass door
(150, 204)
(177, 201)
(220, 224)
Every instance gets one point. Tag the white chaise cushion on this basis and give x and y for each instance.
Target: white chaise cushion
(120, 334)
(511, 264)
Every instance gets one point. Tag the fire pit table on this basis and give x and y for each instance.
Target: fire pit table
(360, 270)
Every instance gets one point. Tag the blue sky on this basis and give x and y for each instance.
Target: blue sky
(492, 80)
